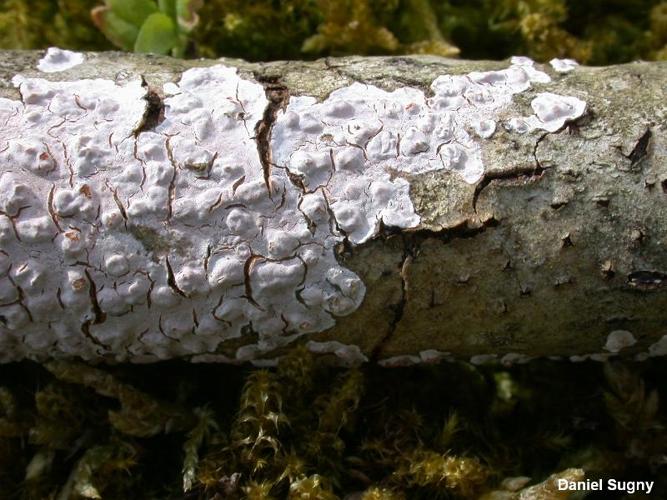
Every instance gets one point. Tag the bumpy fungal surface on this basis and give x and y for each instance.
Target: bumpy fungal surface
(160, 243)
(125, 240)
(358, 148)
(57, 60)
(552, 111)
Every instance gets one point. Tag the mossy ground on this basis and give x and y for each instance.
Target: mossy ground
(592, 31)
(451, 430)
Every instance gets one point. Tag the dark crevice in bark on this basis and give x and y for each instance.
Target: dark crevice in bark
(247, 269)
(172, 182)
(100, 315)
(12, 220)
(524, 174)
(21, 303)
(639, 152)
(278, 97)
(154, 112)
(85, 329)
(51, 210)
(119, 204)
(21, 296)
(466, 229)
(647, 280)
(398, 309)
(171, 279)
(541, 138)
(514, 174)
(463, 230)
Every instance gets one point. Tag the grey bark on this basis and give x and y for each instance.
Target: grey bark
(563, 240)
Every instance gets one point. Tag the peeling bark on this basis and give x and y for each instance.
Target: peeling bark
(561, 243)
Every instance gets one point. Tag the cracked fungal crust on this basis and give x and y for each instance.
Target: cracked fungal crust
(359, 147)
(146, 244)
(142, 224)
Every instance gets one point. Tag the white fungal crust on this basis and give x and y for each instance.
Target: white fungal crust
(659, 348)
(56, 60)
(349, 355)
(512, 358)
(143, 245)
(428, 357)
(619, 340)
(483, 359)
(400, 361)
(357, 147)
(563, 65)
(128, 243)
(600, 357)
(552, 112)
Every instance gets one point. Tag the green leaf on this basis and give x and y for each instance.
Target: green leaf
(168, 7)
(133, 11)
(118, 31)
(157, 35)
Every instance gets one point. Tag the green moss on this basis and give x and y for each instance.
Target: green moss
(196, 438)
(139, 414)
(99, 465)
(256, 29)
(34, 24)
(306, 430)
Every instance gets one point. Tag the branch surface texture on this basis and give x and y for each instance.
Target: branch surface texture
(397, 209)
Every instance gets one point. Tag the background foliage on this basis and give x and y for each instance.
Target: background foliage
(306, 431)
(591, 31)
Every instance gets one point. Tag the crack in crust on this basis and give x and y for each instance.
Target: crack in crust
(278, 96)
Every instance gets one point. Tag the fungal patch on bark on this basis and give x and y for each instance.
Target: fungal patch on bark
(659, 348)
(514, 358)
(428, 356)
(357, 148)
(483, 359)
(563, 65)
(600, 357)
(551, 112)
(619, 340)
(349, 355)
(56, 60)
(136, 245)
(155, 244)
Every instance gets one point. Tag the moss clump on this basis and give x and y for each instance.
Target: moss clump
(442, 472)
(32, 24)
(305, 430)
